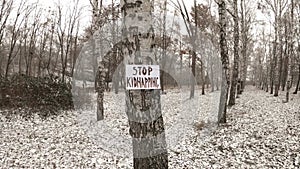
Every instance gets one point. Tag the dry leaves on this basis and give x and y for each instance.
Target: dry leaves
(262, 132)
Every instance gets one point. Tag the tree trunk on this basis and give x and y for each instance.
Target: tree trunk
(239, 91)
(279, 67)
(298, 82)
(225, 62)
(164, 46)
(100, 88)
(194, 54)
(212, 81)
(143, 107)
(244, 38)
(100, 108)
(203, 79)
(235, 72)
(193, 75)
(290, 55)
(273, 65)
(116, 81)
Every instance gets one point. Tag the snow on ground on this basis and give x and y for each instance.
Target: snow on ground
(262, 132)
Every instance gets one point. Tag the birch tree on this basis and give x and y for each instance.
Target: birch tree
(297, 52)
(143, 107)
(225, 61)
(278, 8)
(290, 56)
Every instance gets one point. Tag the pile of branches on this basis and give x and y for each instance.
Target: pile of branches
(43, 95)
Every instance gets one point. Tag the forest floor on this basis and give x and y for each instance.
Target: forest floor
(261, 132)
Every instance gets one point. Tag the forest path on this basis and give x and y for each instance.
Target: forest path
(262, 132)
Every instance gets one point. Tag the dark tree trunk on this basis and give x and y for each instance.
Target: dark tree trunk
(273, 65)
(279, 73)
(193, 82)
(290, 52)
(225, 62)
(298, 82)
(285, 66)
(194, 54)
(100, 109)
(100, 88)
(245, 40)
(235, 72)
(203, 79)
(239, 91)
(162, 72)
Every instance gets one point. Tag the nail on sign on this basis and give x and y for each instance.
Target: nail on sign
(142, 77)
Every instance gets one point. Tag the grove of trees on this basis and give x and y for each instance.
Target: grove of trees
(225, 44)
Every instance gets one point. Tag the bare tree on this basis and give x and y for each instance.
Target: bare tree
(15, 32)
(145, 119)
(32, 48)
(297, 54)
(192, 34)
(205, 40)
(52, 28)
(235, 73)
(225, 62)
(65, 32)
(277, 7)
(5, 11)
(245, 36)
(290, 55)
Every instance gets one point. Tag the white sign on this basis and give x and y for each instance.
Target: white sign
(142, 77)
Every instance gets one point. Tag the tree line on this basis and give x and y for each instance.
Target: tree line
(47, 42)
(38, 41)
(276, 64)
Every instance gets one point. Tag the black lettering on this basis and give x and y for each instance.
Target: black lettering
(140, 70)
(149, 70)
(144, 71)
(142, 82)
(135, 71)
(146, 83)
(138, 82)
(128, 82)
(134, 82)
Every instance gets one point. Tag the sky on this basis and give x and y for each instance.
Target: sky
(86, 14)
(86, 4)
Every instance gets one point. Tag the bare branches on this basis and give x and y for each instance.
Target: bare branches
(37, 37)
(65, 32)
(15, 32)
(185, 18)
(231, 13)
(6, 8)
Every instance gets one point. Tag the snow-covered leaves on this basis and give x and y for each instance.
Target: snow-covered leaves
(262, 132)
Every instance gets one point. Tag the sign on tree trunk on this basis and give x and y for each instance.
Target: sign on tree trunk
(143, 105)
(142, 77)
